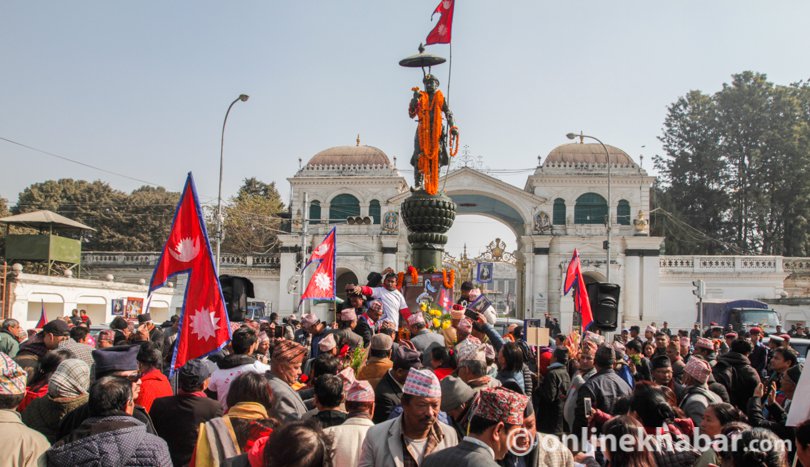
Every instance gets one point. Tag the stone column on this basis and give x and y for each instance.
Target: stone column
(631, 290)
(644, 251)
(389, 251)
(540, 278)
(287, 269)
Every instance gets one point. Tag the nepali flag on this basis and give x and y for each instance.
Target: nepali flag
(444, 28)
(322, 283)
(573, 278)
(204, 326)
(43, 319)
(445, 299)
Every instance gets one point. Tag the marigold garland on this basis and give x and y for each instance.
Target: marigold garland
(429, 133)
(414, 274)
(448, 284)
(400, 280)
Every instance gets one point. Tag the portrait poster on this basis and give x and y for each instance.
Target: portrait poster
(118, 307)
(429, 286)
(485, 272)
(133, 307)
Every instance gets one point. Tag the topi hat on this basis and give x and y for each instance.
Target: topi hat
(500, 405)
(381, 341)
(755, 330)
(360, 391)
(470, 349)
(406, 357)
(457, 312)
(144, 318)
(705, 344)
(651, 329)
(415, 319)
(465, 325)
(308, 320)
(422, 383)
(118, 358)
(12, 377)
(327, 343)
(348, 314)
(289, 351)
(698, 369)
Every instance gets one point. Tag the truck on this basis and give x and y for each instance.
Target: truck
(741, 314)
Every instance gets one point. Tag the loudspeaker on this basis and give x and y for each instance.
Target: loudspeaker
(604, 300)
(236, 291)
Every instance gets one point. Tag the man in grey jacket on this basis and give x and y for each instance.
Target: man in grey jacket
(111, 436)
(422, 338)
(284, 372)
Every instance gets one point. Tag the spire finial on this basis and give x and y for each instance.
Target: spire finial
(358, 139)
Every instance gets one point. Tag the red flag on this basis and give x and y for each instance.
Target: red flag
(43, 320)
(443, 30)
(444, 299)
(322, 283)
(573, 278)
(204, 326)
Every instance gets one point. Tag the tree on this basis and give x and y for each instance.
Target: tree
(124, 222)
(252, 218)
(693, 174)
(736, 168)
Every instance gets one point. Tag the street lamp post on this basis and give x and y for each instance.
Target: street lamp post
(243, 98)
(607, 221)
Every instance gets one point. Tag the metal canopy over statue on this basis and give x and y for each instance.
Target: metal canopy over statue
(428, 213)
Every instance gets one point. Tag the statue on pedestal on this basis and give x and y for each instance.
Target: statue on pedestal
(430, 142)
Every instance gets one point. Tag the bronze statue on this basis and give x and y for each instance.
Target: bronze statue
(430, 142)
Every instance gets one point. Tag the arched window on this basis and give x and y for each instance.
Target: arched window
(374, 211)
(590, 209)
(558, 217)
(343, 206)
(623, 212)
(315, 212)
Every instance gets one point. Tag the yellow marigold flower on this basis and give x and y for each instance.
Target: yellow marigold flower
(436, 323)
(446, 324)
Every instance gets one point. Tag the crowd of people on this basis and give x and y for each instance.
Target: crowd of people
(378, 387)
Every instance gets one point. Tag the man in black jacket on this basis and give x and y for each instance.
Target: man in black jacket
(550, 397)
(603, 389)
(388, 393)
(177, 418)
(734, 371)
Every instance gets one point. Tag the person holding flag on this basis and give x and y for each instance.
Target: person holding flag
(203, 326)
(573, 279)
(321, 285)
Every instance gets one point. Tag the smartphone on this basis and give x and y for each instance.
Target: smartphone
(588, 407)
(471, 314)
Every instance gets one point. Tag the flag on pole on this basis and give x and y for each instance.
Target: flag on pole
(573, 278)
(321, 285)
(445, 298)
(43, 319)
(443, 30)
(204, 326)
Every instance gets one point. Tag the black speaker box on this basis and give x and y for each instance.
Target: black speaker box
(236, 291)
(604, 300)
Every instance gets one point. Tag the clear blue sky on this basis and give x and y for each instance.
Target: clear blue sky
(141, 87)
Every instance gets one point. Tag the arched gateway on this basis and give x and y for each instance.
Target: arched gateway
(553, 214)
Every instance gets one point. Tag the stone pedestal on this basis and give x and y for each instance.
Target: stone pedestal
(428, 218)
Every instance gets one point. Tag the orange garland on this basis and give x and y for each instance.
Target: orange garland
(429, 133)
(414, 274)
(451, 283)
(400, 280)
(453, 141)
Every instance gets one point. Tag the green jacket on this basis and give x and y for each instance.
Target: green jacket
(9, 344)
